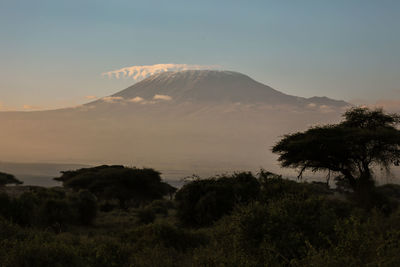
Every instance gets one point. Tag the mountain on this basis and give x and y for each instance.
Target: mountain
(215, 87)
(201, 122)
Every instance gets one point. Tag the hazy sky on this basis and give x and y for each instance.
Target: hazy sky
(52, 53)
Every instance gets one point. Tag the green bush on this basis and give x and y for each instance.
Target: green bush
(277, 232)
(87, 207)
(145, 215)
(161, 206)
(56, 213)
(371, 241)
(49, 208)
(166, 235)
(202, 202)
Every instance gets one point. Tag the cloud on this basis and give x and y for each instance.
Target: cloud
(312, 105)
(391, 105)
(162, 97)
(140, 72)
(112, 99)
(30, 107)
(136, 99)
(85, 107)
(6, 108)
(326, 108)
(90, 97)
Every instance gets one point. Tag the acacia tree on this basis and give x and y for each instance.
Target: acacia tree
(364, 139)
(6, 178)
(118, 182)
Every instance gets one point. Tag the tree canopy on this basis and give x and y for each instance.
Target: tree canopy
(351, 148)
(6, 178)
(118, 182)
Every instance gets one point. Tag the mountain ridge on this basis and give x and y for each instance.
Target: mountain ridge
(215, 86)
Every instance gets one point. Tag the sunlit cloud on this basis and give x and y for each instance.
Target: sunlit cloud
(112, 99)
(326, 109)
(30, 107)
(140, 100)
(312, 105)
(90, 97)
(391, 105)
(162, 97)
(6, 108)
(138, 73)
(136, 99)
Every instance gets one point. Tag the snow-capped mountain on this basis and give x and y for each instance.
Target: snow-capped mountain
(181, 123)
(212, 86)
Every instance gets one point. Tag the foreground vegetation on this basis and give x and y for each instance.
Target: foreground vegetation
(237, 220)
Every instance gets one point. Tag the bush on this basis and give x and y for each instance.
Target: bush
(49, 208)
(87, 207)
(372, 241)
(56, 213)
(166, 235)
(202, 202)
(20, 210)
(279, 231)
(145, 215)
(161, 206)
(275, 187)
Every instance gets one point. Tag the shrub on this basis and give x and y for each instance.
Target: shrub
(49, 207)
(161, 206)
(145, 215)
(166, 235)
(202, 202)
(87, 207)
(282, 229)
(56, 213)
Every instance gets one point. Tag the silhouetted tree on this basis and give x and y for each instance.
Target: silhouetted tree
(6, 178)
(366, 138)
(118, 182)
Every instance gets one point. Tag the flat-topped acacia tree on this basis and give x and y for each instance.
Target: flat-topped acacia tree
(118, 182)
(366, 138)
(6, 179)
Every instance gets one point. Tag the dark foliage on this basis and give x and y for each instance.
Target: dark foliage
(86, 206)
(364, 139)
(273, 222)
(274, 187)
(145, 215)
(201, 202)
(133, 185)
(49, 208)
(6, 178)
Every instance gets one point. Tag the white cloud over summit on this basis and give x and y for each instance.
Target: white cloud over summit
(140, 72)
(162, 97)
(119, 99)
(112, 99)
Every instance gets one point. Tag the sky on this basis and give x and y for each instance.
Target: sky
(52, 53)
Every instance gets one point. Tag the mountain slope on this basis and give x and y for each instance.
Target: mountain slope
(213, 121)
(215, 87)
